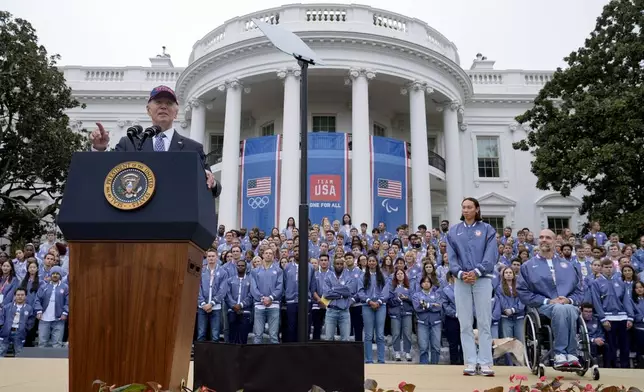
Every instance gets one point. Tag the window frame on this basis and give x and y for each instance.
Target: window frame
(327, 115)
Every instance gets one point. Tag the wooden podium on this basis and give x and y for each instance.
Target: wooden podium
(135, 264)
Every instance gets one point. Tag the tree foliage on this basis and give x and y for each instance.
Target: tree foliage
(36, 144)
(588, 123)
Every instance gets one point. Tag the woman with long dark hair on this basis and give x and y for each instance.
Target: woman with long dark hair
(290, 226)
(400, 311)
(8, 282)
(472, 252)
(512, 310)
(374, 293)
(31, 284)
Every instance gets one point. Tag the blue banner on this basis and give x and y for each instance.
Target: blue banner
(389, 181)
(260, 183)
(327, 175)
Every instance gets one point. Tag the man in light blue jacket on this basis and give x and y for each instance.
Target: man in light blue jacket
(554, 287)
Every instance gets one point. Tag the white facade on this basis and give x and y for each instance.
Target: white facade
(385, 74)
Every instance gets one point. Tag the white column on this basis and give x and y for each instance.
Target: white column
(197, 120)
(360, 174)
(421, 195)
(453, 161)
(290, 175)
(229, 199)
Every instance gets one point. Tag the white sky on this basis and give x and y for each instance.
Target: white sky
(518, 34)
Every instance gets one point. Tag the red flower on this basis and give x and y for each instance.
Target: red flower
(589, 388)
(542, 378)
(512, 378)
(522, 378)
(401, 385)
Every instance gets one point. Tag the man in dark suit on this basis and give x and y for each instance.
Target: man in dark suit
(162, 108)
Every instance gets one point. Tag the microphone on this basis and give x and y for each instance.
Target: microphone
(133, 133)
(149, 132)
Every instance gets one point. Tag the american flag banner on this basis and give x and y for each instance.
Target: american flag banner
(389, 181)
(389, 188)
(258, 187)
(260, 182)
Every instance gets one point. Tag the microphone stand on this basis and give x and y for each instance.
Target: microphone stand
(148, 133)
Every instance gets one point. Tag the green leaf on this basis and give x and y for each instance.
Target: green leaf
(588, 124)
(36, 142)
(131, 388)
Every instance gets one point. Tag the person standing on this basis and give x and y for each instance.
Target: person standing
(52, 309)
(472, 253)
(267, 287)
(16, 319)
(210, 299)
(239, 301)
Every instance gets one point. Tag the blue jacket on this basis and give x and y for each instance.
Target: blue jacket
(354, 283)
(509, 302)
(398, 307)
(374, 292)
(337, 289)
(414, 274)
(319, 285)
(472, 248)
(595, 329)
(8, 289)
(62, 299)
(536, 286)
(610, 298)
(238, 291)
(7, 314)
(428, 306)
(31, 296)
(218, 287)
(449, 302)
(267, 282)
(638, 312)
(496, 311)
(291, 286)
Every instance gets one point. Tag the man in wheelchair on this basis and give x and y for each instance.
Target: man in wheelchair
(553, 287)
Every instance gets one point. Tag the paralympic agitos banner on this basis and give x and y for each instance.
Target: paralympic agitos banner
(389, 181)
(327, 175)
(260, 182)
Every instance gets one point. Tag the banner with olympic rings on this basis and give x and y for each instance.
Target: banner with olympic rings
(327, 175)
(260, 182)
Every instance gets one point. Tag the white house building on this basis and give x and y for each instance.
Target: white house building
(385, 74)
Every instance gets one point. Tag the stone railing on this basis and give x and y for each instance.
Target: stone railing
(495, 78)
(339, 18)
(130, 79)
(434, 160)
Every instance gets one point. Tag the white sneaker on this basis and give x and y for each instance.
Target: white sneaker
(573, 361)
(397, 357)
(561, 360)
(487, 371)
(470, 370)
(408, 357)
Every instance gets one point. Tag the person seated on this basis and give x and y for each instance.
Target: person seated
(552, 286)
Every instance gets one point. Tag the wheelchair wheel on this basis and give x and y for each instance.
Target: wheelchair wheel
(584, 346)
(595, 373)
(531, 345)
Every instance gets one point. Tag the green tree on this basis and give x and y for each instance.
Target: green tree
(588, 123)
(36, 144)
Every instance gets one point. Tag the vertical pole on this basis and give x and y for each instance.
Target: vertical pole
(303, 277)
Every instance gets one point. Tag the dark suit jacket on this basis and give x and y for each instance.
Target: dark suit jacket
(178, 143)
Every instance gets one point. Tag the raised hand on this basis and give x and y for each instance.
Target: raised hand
(100, 138)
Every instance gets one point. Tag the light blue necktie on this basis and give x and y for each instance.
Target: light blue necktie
(159, 145)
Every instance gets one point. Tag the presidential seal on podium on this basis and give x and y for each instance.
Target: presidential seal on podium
(129, 185)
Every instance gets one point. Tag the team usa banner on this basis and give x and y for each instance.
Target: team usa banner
(260, 182)
(389, 181)
(327, 175)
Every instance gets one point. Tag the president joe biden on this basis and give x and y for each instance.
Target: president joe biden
(162, 108)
